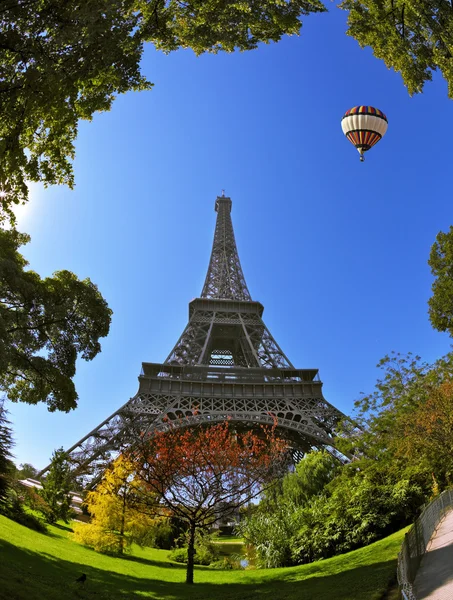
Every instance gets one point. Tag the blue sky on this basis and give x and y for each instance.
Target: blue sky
(336, 250)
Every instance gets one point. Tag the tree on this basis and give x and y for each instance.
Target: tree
(407, 382)
(427, 435)
(414, 37)
(274, 523)
(6, 444)
(116, 516)
(362, 504)
(202, 474)
(26, 471)
(45, 324)
(311, 476)
(64, 61)
(441, 263)
(56, 488)
(406, 421)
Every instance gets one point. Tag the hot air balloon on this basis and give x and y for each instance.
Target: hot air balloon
(364, 126)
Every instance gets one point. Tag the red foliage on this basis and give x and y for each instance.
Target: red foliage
(203, 474)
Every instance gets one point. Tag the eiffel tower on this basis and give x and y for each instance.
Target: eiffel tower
(225, 365)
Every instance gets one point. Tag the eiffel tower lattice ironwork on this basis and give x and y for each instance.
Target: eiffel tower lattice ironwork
(226, 364)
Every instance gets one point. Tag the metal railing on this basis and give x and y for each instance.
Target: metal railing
(416, 540)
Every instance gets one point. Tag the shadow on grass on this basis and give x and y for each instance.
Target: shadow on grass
(63, 527)
(153, 563)
(27, 575)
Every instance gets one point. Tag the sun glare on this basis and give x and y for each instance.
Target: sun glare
(24, 212)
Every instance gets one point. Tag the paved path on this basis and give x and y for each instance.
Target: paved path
(434, 579)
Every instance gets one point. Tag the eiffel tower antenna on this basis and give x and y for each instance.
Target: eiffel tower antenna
(226, 364)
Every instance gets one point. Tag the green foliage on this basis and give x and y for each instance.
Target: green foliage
(205, 551)
(402, 452)
(179, 555)
(60, 62)
(227, 563)
(441, 263)
(26, 471)
(6, 444)
(358, 507)
(32, 499)
(427, 436)
(64, 61)
(45, 325)
(391, 417)
(312, 474)
(15, 509)
(270, 530)
(414, 37)
(56, 488)
(268, 535)
(221, 25)
(164, 533)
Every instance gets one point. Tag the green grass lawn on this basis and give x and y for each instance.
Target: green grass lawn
(36, 566)
(228, 539)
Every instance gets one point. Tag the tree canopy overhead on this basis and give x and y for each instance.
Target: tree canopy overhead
(414, 37)
(63, 61)
(45, 325)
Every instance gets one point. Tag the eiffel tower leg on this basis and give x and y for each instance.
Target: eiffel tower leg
(95, 450)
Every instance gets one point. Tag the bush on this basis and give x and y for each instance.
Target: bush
(29, 520)
(359, 508)
(34, 501)
(204, 556)
(268, 537)
(179, 555)
(14, 510)
(205, 553)
(227, 563)
(164, 535)
(105, 542)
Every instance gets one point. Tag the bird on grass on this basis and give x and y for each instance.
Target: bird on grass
(81, 579)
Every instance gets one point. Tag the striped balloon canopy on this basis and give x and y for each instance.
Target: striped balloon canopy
(364, 126)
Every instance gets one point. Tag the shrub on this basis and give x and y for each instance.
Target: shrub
(225, 564)
(179, 555)
(102, 541)
(205, 553)
(14, 510)
(268, 537)
(35, 501)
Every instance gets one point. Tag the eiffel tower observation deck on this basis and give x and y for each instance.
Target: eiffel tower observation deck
(225, 365)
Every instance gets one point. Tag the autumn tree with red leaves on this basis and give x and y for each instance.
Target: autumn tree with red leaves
(203, 474)
(427, 433)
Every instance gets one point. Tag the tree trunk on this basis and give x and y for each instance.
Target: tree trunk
(190, 554)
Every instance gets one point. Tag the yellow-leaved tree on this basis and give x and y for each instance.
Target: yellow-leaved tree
(117, 519)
